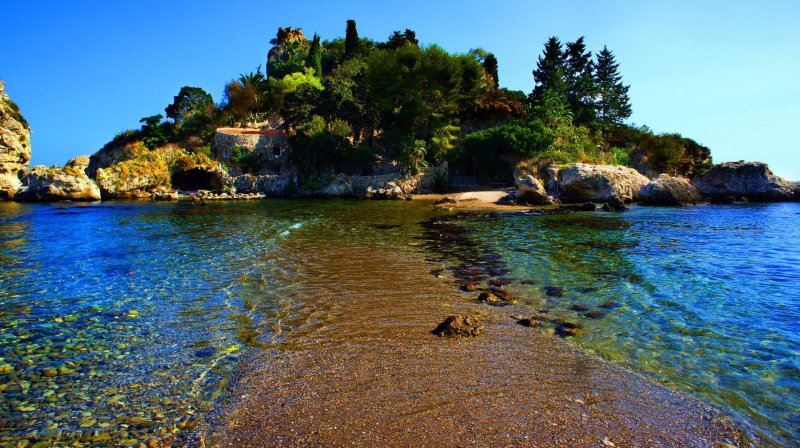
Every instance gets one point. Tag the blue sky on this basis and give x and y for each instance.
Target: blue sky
(726, 73)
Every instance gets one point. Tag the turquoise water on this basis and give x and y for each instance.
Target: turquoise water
(706, 298)
(124, 322)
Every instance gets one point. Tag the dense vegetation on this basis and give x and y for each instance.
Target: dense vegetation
(352, 104)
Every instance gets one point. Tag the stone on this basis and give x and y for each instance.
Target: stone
(488, 297)
(530, 191)
(752, 181)
(582, 182)
(614, 204)
(528, 322)
(668, 190)
(465, 326)
(446, 200)
(67, 183)
(579, 307)
(554, 291)
(15, 146)
(469, 287)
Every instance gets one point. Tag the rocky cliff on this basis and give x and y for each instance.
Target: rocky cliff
(15, 146)
(752, 181)
(67, 183)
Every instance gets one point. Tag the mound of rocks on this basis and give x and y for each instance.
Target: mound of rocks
(668, 190)
(67, 183)
(752, 181)
(15, 146)
(582, 182)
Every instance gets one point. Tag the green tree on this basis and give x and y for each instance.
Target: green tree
(398, 39)
(550, 70)
(314, 60)
(490, 66)
(192, 112)
(579, 74)
(352, 44)
(612, 102)
(154, 132)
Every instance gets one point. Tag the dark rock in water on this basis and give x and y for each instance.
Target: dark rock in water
(497, 282)
(566, 324)
(614, 204)
(750, 180)
(488, 297)
(723, 200)
(595, 314)
(585, 207)
(566, 331)
(579, 307)
(446, 200)
(528, 322)
(205, 352)
(469, 287)
(503, 295)
(586, 289)
(385, 226)
(528, 282)
(466, 326)
(554, 291)
(610, 305)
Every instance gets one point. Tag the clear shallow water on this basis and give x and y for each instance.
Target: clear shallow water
(707, 298)
(122, 322)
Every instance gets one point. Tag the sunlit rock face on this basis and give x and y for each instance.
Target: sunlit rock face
(582, 182)
(67, 183)
(15, 146)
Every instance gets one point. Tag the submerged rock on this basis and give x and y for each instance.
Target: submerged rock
(614, 204)
(67, 183)
(668, 190)
(582, 182)
(554, 291)
(466, 326)
(752, 181)
(15, 146)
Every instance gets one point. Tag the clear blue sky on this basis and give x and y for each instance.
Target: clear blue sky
(726, 73)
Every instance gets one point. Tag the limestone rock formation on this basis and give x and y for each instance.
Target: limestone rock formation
(15, 146)
(68, 183)
(152, 172)
(530, 191)
(283, 46)
(599, 183)
(752, 181)
(668, 190)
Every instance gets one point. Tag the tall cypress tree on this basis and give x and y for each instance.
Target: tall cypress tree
(351, 41)
(550, 70)
(612, 103)
(490, 65)
(579, 75)
(315, 56)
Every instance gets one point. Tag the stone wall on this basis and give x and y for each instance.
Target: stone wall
(268, 184)
(263, 144)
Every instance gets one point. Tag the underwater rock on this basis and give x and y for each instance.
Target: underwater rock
(579, 307)
(466, 326)
(554, 291)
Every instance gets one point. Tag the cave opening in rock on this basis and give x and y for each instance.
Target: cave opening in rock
(195, 179)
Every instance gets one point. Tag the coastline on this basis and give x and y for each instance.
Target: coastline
(373, 374)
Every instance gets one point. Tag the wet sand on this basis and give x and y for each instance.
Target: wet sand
(362, 369)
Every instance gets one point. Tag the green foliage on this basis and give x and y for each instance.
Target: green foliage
(490, 66)
(512, 138)
(550, 71)
(579, 76)
(613, 105)
(240, 156)
(620, 156)
(319, 145)
(352, 44)
(314, 60)
(552, 108)
(439, 181)
(410, 152)
(192, 112)
(154, 132)
(398, 39)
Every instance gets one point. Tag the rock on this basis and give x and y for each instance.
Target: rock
(554, 291)
(467, 326)
(15, 146)
(469, 287)
(610, 305)
(488, 297)
(530, 191)
(599, 183)
(579, 307)
(68, 183)
(528, 322)
(338, 187)
(668, 190)
(585, 207)
(446, 200)
(595, 314)
(614, 204)
(752, 181)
